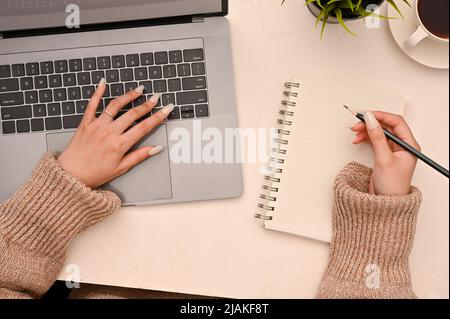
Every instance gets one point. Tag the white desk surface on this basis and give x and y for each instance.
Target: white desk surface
(216, 248)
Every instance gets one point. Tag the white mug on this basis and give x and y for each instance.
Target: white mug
(421, 32)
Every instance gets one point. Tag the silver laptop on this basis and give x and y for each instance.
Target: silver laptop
(49, 68)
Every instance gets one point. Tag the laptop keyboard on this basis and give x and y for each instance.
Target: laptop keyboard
(53, 95)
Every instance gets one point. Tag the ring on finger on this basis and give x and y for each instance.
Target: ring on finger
(109, 113)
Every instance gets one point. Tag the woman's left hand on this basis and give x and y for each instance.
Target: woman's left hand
(98, 152)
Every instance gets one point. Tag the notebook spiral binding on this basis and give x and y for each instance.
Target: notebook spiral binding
(271, 185)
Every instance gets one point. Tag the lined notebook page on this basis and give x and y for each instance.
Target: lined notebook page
(319, 147)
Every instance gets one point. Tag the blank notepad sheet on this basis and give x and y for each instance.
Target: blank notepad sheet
(319, 146)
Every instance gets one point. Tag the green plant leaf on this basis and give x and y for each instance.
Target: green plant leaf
(394, 5)
(338, 13)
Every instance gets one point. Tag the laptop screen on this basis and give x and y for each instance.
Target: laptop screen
(35, 14)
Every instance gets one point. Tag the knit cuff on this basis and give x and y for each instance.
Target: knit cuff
(372, 239)
(38, 222)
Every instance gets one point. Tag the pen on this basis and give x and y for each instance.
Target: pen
(406, 146)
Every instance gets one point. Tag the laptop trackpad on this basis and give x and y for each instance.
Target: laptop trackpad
(149, 181)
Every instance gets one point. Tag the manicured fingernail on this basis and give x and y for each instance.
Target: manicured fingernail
(102, 82)
(156, 150)
(155, 98)
(140, 89)
(371, 120)
(166, 110)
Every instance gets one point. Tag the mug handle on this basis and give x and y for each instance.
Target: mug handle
(416, 37)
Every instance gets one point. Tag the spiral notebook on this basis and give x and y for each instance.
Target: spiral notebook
(313, 145)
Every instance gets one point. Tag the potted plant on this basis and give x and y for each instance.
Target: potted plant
(339, 11)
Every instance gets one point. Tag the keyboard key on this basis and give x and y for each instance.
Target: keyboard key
(147, 59)
(87, 91)
(118, 61)
(84, 78)
(107, 91)
(139, 101)
(18, 70)
(68, 108)
(161, 58)
(97, 76)
(55, 81)
(40, 82)
(31, 97)
(176, 56)
(60, 95)
(45, 96)
(130, 86)
(132, 60)
(9, 127)
(39, 110)
(81, 106)
(104, 62)
(170, 71)
(192, 97)
(16, 112)
(61, 66)
(23, 126)
(26, 84)
(174, 85)
(112, 76)
(140, 74)
(72, 121)
(187, 108)
(53, 123)
(184, 69)
(148, 86)
(155, 72)
(168, 98)
(89, 64)
(126, 75)
(195, 83)
(70, 79)
(187, 115)
(53, 109)
(73, 93)
(193, 55)
(117, 89)
(75, 65)
(9, 99)
(47, 67)
(8, 85)
(32, 68)
(175, 115)
(160, 86)
(5, 71)
(201, 110)
(198, 68)
(37, 125)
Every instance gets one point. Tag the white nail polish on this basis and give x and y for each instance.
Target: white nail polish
(166, 110)
(140, 89)
(155, 98)
(156, 150)
(371, 120)
(102, 82)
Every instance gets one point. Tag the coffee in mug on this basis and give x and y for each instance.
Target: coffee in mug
(433, 18)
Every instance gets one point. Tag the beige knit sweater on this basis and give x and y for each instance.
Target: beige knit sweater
(372, 239)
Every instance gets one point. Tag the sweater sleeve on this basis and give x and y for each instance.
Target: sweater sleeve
(37, 224)
(372, 240)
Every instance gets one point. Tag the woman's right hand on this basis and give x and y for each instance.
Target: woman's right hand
(393, 167)
(98, 152)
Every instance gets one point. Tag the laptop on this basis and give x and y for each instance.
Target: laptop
(49, 68)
